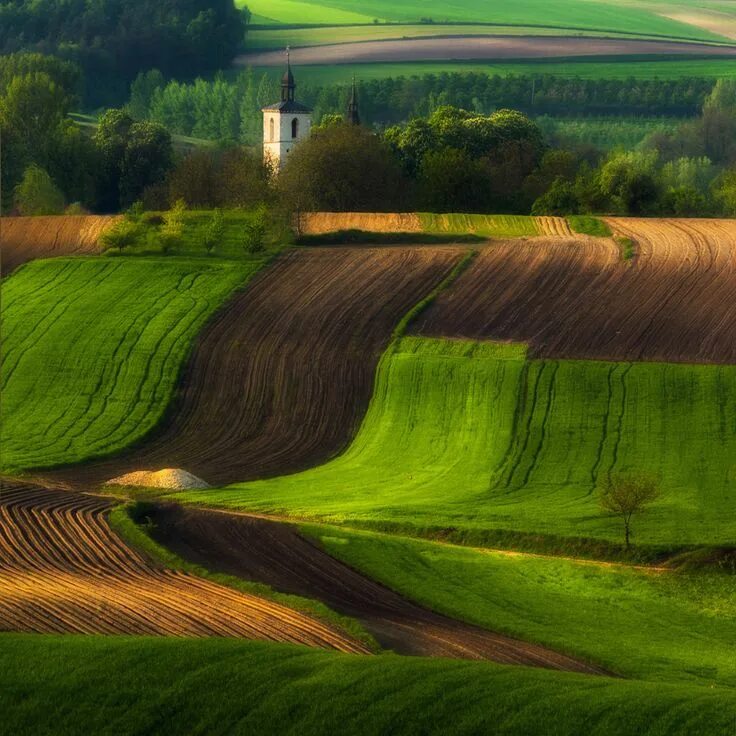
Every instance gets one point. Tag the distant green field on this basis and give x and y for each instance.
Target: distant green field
(623, 68)
(612, 615)
(92, 349)
(278, 38)
(472, 436)
(124, 685)
(601, 15)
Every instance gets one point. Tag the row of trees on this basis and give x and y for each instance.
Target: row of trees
(113, 41)
(221, 109)
(45, 153)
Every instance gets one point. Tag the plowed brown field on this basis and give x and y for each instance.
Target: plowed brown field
(281, 378)
(579, 299)
(63, 570)
(274, 553)
(26, 238)
(319, 223)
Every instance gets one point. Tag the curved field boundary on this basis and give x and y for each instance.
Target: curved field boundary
(283, 375)
(579, 299)
(499, 226)
(24, 239)
(63, 570)
(458, 48)
(472, 441)
(277, 555)
(92, 349)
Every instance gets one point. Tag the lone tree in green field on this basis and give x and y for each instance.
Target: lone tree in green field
(626, 495)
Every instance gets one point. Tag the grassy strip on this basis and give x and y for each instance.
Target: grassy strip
(627, 247)
(419, 307)
(492, 226)
(360, 237)
(131, 522)
(588, 225)
(609, 614)
(75, 686)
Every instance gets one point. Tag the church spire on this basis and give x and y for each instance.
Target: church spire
(288, 85)
(353, 114)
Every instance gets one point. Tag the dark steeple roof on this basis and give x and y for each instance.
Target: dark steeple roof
(288, 104)
(353, 114)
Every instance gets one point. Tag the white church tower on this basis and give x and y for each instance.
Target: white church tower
(285, 123)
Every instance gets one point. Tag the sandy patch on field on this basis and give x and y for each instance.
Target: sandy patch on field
(167, 478)
(709, 20)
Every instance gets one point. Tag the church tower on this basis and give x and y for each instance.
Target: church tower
(353, 117)
(285, 123)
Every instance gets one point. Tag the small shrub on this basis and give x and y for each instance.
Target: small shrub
(124, 234)
(588, 225)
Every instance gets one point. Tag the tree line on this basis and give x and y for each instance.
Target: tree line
(113, 41)
(230, 109)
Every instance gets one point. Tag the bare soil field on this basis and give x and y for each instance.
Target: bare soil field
(63, 570)
(281, 378)
(24, 239)
(276, 554)
(457, 48)
(580, 299)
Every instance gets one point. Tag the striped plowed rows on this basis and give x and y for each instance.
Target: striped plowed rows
(275, 554)
(24, 239)
(578, 299)
(282, 377)
(556, 227)
(63, 570)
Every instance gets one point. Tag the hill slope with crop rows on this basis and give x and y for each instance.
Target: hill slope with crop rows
(472, 435)
(92, 349)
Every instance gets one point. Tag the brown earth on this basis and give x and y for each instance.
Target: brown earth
(275, 554)
(579, 299)
(23, 239)
(472, 48)
(281, 378)
(63, 570)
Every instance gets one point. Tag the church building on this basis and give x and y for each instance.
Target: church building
(285, 123)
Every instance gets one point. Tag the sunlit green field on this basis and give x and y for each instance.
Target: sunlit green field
(124, 685)
(628, 17)
(473, 436)
(92, 349)
(640, 623)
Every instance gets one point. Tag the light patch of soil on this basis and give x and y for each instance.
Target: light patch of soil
(174, 478)
(721, 24)
(319, 223)
(473, 48)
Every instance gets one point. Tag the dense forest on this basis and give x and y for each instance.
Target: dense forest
(113, 40)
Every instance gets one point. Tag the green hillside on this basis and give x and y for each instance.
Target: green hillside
(92, 348)
(632, 17)
(125, 685)
(608, 614)
(473, 436)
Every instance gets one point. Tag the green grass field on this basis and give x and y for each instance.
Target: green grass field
(634, 16)
(122, 685)
(92, 349)
(612, 615)
(472, 436)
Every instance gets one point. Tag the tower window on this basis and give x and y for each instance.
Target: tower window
(294, 128)
(270, 129)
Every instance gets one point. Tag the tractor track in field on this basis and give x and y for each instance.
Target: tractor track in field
(64, 570)
(282, 376)
(24, 239)
(274, 553)
(578, 299)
